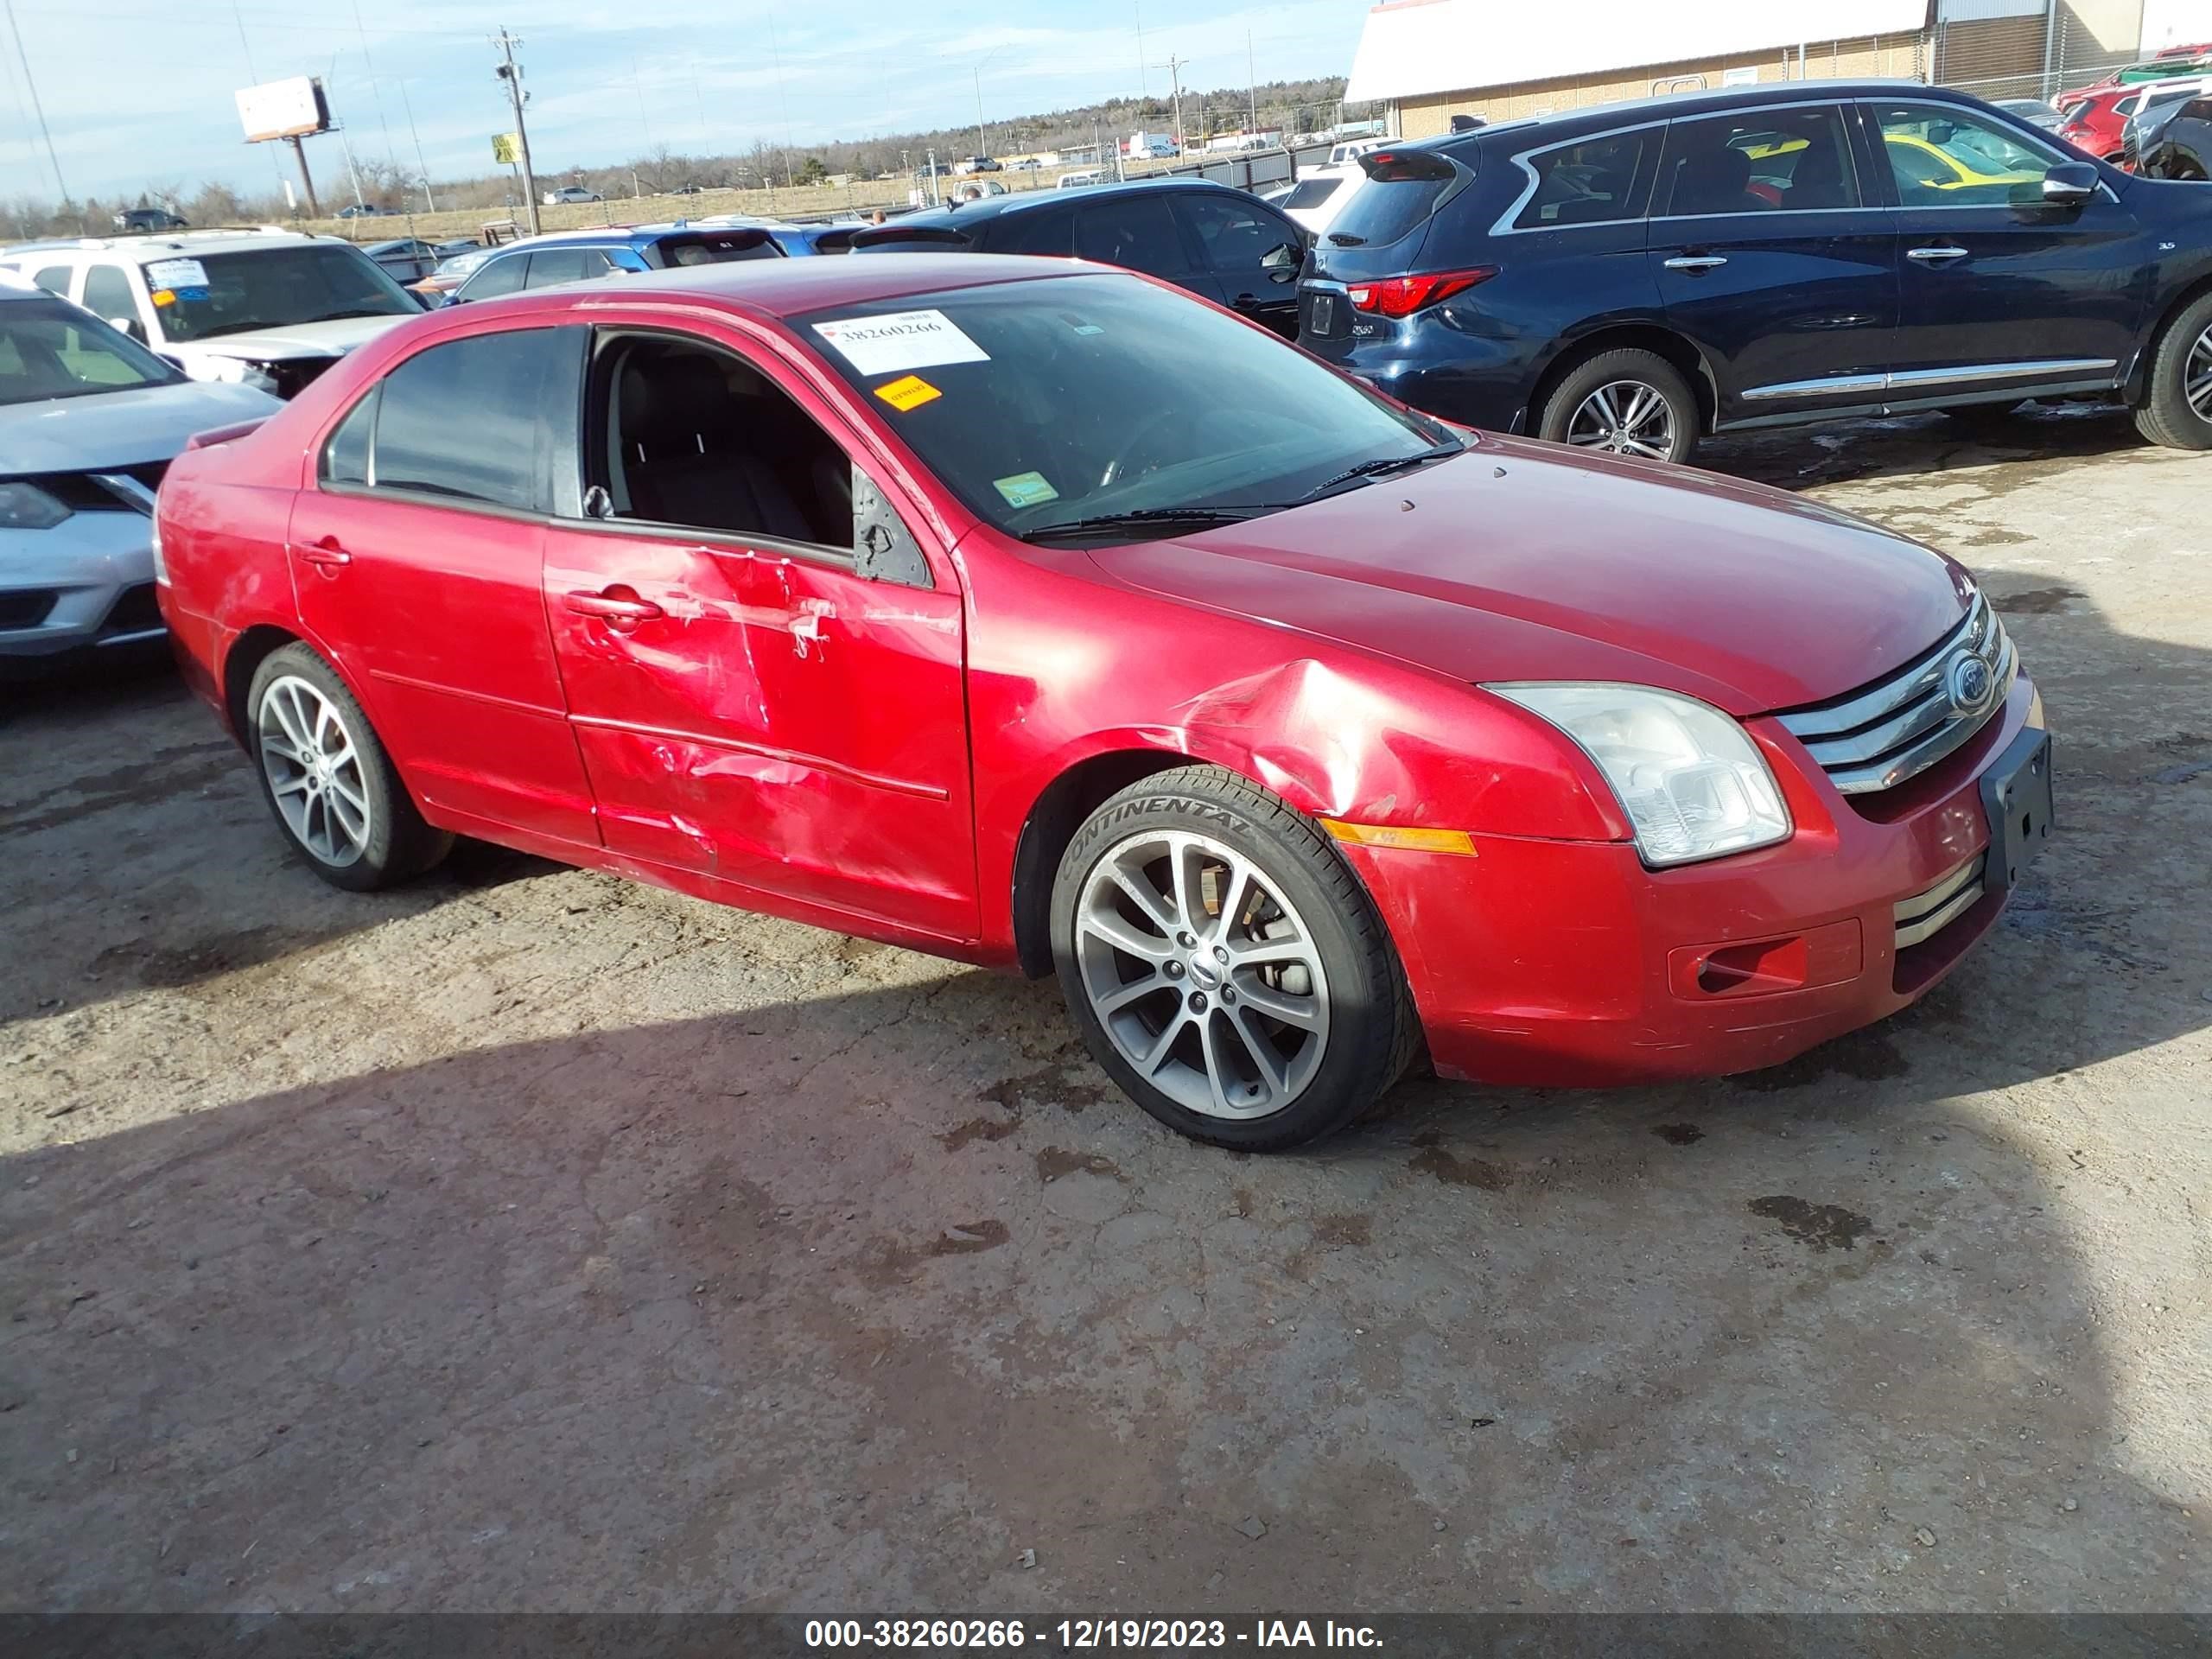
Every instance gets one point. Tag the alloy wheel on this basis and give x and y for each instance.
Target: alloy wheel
(1205, 979)
(313, 771)
(2197, 377)
(1626, 417)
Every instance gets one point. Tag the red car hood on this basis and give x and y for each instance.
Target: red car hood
(1519, 561)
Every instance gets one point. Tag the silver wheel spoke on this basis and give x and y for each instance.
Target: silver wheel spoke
(1116, 930)
(1266, 1059)
(1146, 899)
(1301, 1011)
(1135, 991)
(1234, 1024)
(314, 772)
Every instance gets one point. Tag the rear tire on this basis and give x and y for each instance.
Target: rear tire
(1190, 911)
(328, 783)
(1629, 403)
(2176, 407)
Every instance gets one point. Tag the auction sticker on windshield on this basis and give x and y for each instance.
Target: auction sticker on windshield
(1025, 489)
(907, 391)
(901, 342)
(176, 273)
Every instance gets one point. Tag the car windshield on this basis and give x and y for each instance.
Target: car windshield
(51, 349)
(216, 293)
(1045, 404)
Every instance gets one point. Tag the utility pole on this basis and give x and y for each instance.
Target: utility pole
(1175, 66)
(53, 161)
(511, 72)
(306, 179)
(1251, 83)
(408, 104)
(982, 144)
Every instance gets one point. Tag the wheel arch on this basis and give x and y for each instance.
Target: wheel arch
(1655, 338)
(241, 662)
(2138, 385)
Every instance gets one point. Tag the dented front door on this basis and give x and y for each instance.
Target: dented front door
(775, 720)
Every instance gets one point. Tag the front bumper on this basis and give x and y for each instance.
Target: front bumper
(86, 585)
(1569, 964)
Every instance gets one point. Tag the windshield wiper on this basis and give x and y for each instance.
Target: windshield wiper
(1165, 518)
(1379, 466)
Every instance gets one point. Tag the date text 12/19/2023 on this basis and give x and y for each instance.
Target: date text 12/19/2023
(1073, 1635)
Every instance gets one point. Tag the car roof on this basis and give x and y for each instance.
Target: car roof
(169, 245)
(1673, 106)
(967, 213)
(777, 289)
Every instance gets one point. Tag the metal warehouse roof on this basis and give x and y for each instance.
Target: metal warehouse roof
(1412, 47)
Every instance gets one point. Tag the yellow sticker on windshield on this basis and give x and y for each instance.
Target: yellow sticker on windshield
(164, 296)
(907, 391)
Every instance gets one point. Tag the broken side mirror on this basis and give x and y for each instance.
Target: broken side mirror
(884, 549)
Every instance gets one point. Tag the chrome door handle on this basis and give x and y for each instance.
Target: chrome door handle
(1695, 262)
(1934, 255)
(613, 609)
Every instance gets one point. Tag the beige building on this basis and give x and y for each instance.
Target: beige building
(1428, 61)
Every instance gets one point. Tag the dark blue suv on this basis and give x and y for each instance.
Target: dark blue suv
(1632, 277)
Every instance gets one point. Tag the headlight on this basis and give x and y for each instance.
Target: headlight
(1690, 778)
(234, 371)
(26, 506)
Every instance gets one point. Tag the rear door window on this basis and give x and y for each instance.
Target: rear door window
(1046, 231)
(1775, 161)
(1593, 181)
(481, 420)
(55, 279)
(1311, 192)
(552, 265)
(1137, 231)
(497, 277)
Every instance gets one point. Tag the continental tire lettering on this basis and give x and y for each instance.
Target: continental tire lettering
(1208, 811)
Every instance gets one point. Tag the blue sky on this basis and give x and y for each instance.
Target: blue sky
(138, 92)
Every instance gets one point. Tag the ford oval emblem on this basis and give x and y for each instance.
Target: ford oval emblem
(1970, 684)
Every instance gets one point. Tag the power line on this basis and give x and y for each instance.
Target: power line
(39, 110)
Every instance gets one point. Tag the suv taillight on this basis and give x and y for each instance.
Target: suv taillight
(1401, 296)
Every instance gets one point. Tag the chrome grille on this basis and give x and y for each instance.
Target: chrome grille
(1926, 914)
(1879, 735)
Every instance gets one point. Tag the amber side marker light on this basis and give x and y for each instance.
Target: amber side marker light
(1384, 835)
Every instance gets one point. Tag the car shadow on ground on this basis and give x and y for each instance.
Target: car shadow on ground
(1913, 446)
(851, 1299)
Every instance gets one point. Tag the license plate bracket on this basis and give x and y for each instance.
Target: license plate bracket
(1324, 313)
(2016, 794)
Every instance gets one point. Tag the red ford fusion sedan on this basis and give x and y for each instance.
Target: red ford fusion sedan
(1040, 615)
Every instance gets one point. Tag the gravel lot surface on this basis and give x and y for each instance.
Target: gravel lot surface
(530, 1240)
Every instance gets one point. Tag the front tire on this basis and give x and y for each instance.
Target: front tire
(1625, 402)
(2176, 407)
(328, 780)
(1224, 964)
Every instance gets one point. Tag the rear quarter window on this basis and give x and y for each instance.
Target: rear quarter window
(1590, 181)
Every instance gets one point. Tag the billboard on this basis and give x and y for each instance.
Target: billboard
(283, 109)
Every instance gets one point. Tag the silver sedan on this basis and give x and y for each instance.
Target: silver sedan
(89, 420)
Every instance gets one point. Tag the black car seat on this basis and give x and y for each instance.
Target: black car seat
(684, 453)
(1716, 181)
(1821, 178)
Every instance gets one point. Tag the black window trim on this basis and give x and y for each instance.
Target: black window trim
(1843, 109)
(554, 482)
(606, 335)
(1871, 114)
